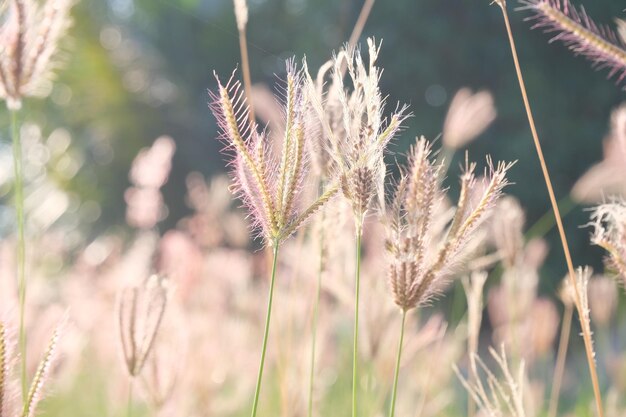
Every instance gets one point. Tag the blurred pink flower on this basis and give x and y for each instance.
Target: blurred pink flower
(608, 177)
(149, 172)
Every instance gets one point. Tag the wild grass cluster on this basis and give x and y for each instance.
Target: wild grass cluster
(308, 281)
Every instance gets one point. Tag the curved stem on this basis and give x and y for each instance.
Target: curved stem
(559, 222)
(21, 246)
(357, 286)
(257, 391)
(316, 303)
(394, 393)
(560, 361)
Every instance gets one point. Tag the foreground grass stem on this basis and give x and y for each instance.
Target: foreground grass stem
(392, 408)
(266, 331)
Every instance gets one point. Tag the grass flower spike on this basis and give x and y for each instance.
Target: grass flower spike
(30, 40)
(416, 271)
(598, 43)
(609, 222)
(469, 115)
(358, 153)
(497, 397)
(358, 135)
(270, 188)
(419, 259)
(141, 311)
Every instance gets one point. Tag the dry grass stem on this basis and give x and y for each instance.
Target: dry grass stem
(497, 397)
(570, 266)
(241, 15)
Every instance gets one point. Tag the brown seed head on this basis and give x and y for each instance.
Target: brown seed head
(357, 133)
(420, 259)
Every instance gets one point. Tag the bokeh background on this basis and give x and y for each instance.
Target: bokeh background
(134, 70)
(137, 69)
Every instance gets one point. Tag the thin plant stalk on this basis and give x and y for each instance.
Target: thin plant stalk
(357, 287)
(129, 406)
(357, 30)
(316, 303)
(360, 23)
(560, 360)
(555, 208)
(394, 392)
(21, 245)
(241, 13)
(266, 332)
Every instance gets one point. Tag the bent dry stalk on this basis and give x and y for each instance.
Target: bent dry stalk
(559, 222)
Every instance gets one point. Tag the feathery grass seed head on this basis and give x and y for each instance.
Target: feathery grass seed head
(36, 391)
(140, 314)
(598, 43)
(468, 116)
(270, 189)
(29, 42)
(419, 259)
(609, 223)
(364, 133)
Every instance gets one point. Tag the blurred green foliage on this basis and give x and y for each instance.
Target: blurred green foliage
(137, 69)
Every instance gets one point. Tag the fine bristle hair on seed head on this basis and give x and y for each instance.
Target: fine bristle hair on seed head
(37, 387)
(270, 186)
(574, 28)
(419, 260)
(5, 368)
(496, 397)
(609, 232)
(358, 150)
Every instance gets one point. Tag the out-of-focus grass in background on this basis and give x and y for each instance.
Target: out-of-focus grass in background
(138, 69)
